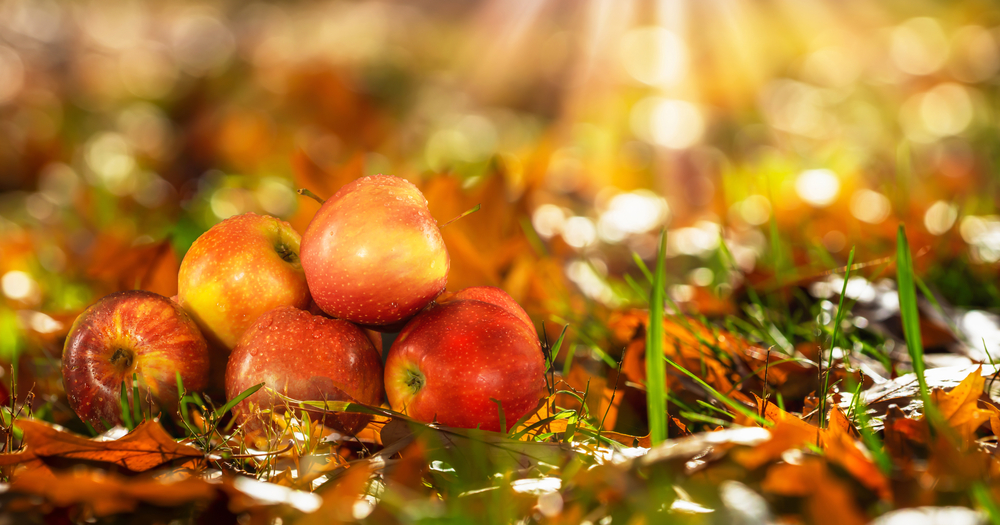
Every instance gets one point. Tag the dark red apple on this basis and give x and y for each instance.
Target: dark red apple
(237, 270)
(304, 357)
(453, 359)
(373, 254)
(130, 332)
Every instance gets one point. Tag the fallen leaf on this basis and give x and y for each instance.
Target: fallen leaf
(786, 435)
(829, 501)
(960, 406)
(146, 447)
(842, 446)
(339, 498)
(994, 419)
(904, 391)
(107, 494)
(122, 266)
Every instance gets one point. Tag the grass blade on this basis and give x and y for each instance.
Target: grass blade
(503, 417)
(908, 310)
(180, 398)
(554, 353)
(833, 341)
(642, 266)
(137, 414)
(981, 494)
(126, 412)
(656, 372)
(243, 395)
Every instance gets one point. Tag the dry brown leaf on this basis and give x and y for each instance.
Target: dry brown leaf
(339, 499)
(628, 439)
(795, 480)
(122, 266)
(841, 445)
(832, 503)
(786, 435)
(146, 447)
(107, 494)
(685, 344)
(829, 500)
(322, 181)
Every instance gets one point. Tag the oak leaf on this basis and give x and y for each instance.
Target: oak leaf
(108, 494)
(960, 406)
(145, 448)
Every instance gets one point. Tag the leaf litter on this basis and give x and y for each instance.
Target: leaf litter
(748, 438)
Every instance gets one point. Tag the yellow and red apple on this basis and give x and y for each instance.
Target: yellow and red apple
(240, 268)
(125, 333)
(373, 254)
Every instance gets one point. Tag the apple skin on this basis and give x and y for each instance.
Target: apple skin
(452, 358)
(488, 294)
(374, 336)
(131, 332)
(305, 357)
(373, 254)
(237, 270)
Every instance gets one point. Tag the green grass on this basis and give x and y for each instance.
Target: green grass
(833, 341)
(656, 373)
(908, 311)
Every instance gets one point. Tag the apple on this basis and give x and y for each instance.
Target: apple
(373, 254)
(237, 270)
(133, 332)
(304, 357)
(453, 359)
(374, 336)
(488, 294)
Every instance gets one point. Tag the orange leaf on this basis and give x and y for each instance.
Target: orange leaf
(787, 479)
(841, 447)
(960, 405)
(150, 266)
(830, 501)
(994, 419)
(786, 435)
(146, 447)
(108, 494)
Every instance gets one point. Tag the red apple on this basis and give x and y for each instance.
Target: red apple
(453, 359)
(488, 294)
(373, 254)
(374, 336)
(134, 332)
(305, 357)
(239, 269)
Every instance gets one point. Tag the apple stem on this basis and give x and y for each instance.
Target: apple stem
(415, 380)
(470, 211)
(119, 355)
(306, 193)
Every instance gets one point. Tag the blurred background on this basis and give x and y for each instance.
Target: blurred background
(786, 132)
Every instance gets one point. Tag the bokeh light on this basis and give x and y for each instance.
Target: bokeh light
(818, 187)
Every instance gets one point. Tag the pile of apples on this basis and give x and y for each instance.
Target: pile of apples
(257, 303)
